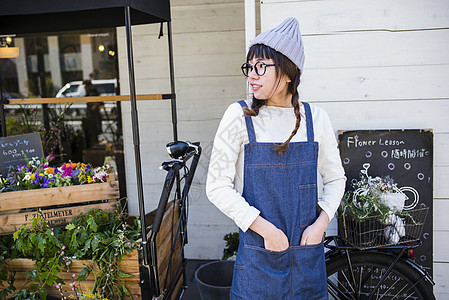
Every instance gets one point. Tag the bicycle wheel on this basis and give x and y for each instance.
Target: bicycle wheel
(403, 282)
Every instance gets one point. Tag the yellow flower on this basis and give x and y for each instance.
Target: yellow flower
(90, 180)
(32, 176)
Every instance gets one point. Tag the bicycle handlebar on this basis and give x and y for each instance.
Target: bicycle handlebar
(178, 149)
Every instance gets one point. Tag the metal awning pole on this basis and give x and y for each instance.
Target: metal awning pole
(175, 138)
(135, 129)
(174, 117)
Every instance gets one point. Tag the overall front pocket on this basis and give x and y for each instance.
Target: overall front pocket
(267, 273)
(308, 202)
(308, 272)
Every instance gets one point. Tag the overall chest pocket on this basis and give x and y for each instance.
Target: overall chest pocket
(308, 199)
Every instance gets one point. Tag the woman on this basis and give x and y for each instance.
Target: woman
(263, 174)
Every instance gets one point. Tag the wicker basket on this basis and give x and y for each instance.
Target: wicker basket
(371, 233)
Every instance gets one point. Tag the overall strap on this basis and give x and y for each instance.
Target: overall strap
(249, 124)
(309, 122)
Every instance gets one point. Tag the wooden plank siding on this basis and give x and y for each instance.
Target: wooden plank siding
(209, 48)
(370, 64)
(381, 65)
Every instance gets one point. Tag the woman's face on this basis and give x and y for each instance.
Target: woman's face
(267, 86)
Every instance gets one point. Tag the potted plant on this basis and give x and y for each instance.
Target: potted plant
(81, 261)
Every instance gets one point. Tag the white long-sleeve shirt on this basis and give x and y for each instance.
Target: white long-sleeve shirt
(224, 186)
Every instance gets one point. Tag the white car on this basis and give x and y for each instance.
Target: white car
(105, 87)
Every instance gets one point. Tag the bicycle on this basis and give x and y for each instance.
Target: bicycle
(385, 272)
(164, 277)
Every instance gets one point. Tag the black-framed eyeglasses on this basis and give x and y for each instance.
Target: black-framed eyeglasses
(260, 67)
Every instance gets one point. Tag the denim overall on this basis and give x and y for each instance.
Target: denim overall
(284, 189)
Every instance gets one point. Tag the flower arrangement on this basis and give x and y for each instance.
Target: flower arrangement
(366, 199)
(37, 173)
(377, 198)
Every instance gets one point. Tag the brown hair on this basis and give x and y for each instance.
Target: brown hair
(283, 66)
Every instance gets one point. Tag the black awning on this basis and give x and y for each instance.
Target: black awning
(33, 16)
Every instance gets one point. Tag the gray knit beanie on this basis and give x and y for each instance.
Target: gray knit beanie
(286, 39)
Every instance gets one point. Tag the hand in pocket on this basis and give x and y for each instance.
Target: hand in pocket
(277, 241)
(314, 233)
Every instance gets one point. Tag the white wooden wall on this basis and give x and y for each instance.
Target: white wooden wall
(370, 64)
(381, 65)
(209, 47)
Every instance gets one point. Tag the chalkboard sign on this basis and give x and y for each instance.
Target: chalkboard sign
(404, 155)
(13, 150)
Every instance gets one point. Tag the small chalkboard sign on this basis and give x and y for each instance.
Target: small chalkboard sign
(404, 155)
(14, 149)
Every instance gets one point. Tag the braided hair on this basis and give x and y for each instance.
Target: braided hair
(283, 66)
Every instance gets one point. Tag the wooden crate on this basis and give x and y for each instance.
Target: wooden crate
(130, 264)
(59, 205)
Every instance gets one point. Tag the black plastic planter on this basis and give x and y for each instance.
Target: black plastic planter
(214, 279)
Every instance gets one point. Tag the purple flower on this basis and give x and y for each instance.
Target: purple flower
(67, 171)
(45, 183)
(75, 174)
(50, 157)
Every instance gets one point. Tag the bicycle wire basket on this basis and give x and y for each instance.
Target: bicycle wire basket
(372, 233)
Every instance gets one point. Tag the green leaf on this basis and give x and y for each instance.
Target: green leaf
(32, 274)
(41, 243)
(32, 237)
(83, 237)
(83, 274)
(16, 234)
(125, 290)
(124, 275)
(70, 226)
(92, 224)
(95, 243)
